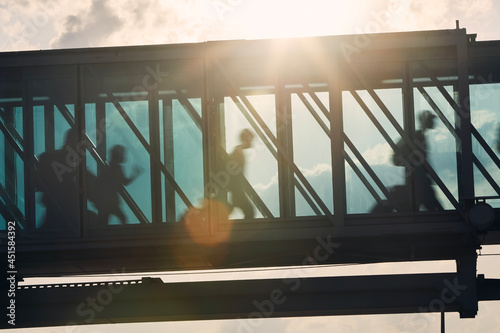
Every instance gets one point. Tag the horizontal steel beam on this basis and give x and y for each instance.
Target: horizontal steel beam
(150, 300)
(266, 247)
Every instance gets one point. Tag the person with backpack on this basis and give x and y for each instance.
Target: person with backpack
(414, 159)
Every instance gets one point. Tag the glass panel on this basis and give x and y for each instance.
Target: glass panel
(372, 146)
(246, 174)
(377, 177)
(56, 147)
(144, 120)
(12, 193)
(268, 119)
(373, 111)
(312, 149)
(117, 119)
(58, 186)
(127, 162)
(20, 184)
(3, 222)
(435, 94)
(255, 162)
(188, 153)
(441, 147)
(485, 112)
(127, 159)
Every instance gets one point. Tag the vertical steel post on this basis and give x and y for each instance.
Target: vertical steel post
(29, 153)
(337, 144)
(101, 145)
(409, 127)
(285, 138)
(154, 142)
(82, 151)
(10, 157)
(465, 285)
(211, 110)
(466, 174)
(49, 130)
(168, 157)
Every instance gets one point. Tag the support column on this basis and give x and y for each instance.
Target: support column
(465, 285)
(285, 137)
(409, 127)
(464, 151)
(337, 144)
(29, 154)
(154, 142)
(168, 157)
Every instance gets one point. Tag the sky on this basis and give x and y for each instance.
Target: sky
(57, 24)
(51, 24)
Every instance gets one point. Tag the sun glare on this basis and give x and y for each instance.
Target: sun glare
(284, 19)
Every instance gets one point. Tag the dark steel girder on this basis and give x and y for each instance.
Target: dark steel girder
(151, 300)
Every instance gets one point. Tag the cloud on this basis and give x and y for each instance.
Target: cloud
(482, 187)
(314, 324)
(423, 14)
(475, 8)
(88, 28)
(431, 15)
(29, 24)
(481, 118)
(380, 154)
(5, 14)
(317, 171)
(117, 23)
(92, 23)
(365, 323)
(260, 188)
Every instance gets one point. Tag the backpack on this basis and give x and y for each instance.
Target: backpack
(402, 154)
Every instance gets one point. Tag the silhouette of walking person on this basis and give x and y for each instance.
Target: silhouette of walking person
(417, 157)
(111, 180)
(236, 185)
(57, 180)
(425, 195)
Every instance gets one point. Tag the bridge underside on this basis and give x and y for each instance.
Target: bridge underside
(150, 300)
(264, 246)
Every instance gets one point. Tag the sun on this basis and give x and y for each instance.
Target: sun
(284, 19)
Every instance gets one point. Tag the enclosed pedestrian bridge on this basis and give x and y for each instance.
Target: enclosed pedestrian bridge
(134, 157)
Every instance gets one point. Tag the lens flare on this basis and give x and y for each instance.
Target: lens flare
(209, 224)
